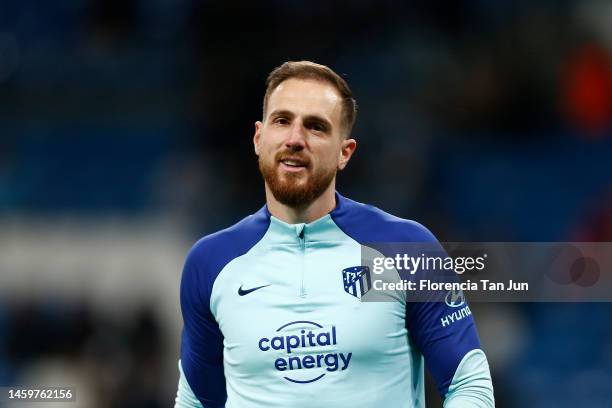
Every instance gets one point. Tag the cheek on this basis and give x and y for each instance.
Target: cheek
(267, 155)
(265, 149)
(269, 144)
(328, 158)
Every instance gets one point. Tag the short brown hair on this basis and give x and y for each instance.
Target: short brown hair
(311, 70)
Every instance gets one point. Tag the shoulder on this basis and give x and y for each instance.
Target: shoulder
(211, 253)
(366, 223)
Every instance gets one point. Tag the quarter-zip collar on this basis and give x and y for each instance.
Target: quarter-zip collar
(323, 229)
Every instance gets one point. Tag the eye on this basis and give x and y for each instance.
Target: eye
(318, 127)
(281, 121)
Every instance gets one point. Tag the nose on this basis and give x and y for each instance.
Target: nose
(296, 140)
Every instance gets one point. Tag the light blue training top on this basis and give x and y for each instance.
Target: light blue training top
(271, 320)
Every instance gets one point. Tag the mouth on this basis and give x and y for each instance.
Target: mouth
(293, 164)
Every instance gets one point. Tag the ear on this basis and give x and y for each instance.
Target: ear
(257, 136)
(346, 151)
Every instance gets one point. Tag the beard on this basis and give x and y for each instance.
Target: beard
(288, 189)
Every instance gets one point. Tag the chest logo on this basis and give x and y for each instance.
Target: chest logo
(305, 351)
(356, 280)
(243, 292)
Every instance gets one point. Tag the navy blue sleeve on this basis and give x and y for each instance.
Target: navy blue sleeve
(202, 339)
(440, 323)
(443, 334)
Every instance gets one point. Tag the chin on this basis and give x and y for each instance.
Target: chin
(294, 185)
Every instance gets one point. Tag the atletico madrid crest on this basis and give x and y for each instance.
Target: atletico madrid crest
(356, 280)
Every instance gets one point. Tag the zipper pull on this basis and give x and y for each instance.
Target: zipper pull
(299, 230)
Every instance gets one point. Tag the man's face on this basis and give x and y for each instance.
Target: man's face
(301, 144)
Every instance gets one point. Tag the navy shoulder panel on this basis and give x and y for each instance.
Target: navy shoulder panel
(216, 250)
(365, 224)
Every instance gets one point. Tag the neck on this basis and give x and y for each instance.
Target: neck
(306, 213)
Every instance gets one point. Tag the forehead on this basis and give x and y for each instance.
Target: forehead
(307, 97)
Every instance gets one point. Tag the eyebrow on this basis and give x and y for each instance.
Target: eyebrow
(316, 118)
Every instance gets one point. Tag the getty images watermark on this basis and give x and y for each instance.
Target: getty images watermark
(486, 271)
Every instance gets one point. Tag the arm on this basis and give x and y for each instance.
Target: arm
(202, 382)
(452, 353)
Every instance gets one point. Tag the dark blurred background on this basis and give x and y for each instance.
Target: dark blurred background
(125, 134)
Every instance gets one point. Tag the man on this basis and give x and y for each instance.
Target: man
(268, 319)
